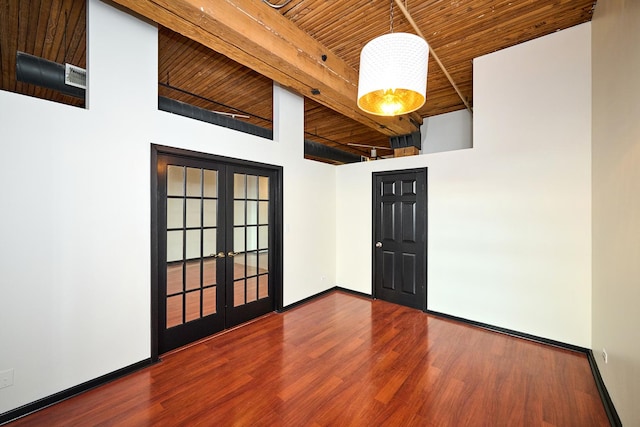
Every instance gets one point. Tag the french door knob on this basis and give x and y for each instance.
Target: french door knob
(231, 254)
(378, 244)
(219, 255)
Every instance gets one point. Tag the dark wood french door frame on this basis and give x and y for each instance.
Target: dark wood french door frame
(275, 172)
(419, 216)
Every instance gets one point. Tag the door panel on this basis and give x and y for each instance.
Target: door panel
(250, 238)
(408, 281)
(215, 237)
(400, 237)
(408, 222)
(388, 270)
(388, 223)
(190, 303)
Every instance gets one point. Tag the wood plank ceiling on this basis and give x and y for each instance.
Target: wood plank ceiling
(457, 30)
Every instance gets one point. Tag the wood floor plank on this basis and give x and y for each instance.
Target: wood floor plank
(342, 360)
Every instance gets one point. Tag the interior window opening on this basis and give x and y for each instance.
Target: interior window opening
(197, 82)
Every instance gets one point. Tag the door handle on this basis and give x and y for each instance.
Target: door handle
(378, 244)
(219, 255)
(232, 254)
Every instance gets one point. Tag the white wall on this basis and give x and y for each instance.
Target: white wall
(76, 193)
(509, 220)
(447, 132)
(616, 205)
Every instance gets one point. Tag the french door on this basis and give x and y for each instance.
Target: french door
(216, 237)
(400, 237)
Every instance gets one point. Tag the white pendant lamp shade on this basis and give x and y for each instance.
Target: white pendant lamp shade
(393, 74)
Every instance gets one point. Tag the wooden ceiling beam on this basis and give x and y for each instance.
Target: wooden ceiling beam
(251, 33)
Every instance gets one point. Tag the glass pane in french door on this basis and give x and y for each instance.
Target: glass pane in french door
(250, 238)
(192, 206)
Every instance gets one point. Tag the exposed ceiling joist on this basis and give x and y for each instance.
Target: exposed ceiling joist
(251, 33)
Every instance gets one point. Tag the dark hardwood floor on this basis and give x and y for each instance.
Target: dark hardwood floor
(346, 360)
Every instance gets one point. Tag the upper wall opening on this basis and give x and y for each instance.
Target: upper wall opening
(215, 85)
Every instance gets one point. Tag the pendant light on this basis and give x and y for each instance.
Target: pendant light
(393, 74)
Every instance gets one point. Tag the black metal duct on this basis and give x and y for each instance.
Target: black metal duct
(413, 139)
(182, 109)
(315, 149)
(45, 73)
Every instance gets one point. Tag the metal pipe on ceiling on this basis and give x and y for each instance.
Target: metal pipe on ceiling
(42, 72)
(433, 53)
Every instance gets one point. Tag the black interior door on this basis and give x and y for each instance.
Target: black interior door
(250, 214)
(215, 225)
(400, 237)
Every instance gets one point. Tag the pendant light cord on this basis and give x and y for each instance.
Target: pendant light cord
(391, 17)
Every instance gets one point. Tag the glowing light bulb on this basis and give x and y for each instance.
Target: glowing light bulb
(391, 103)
